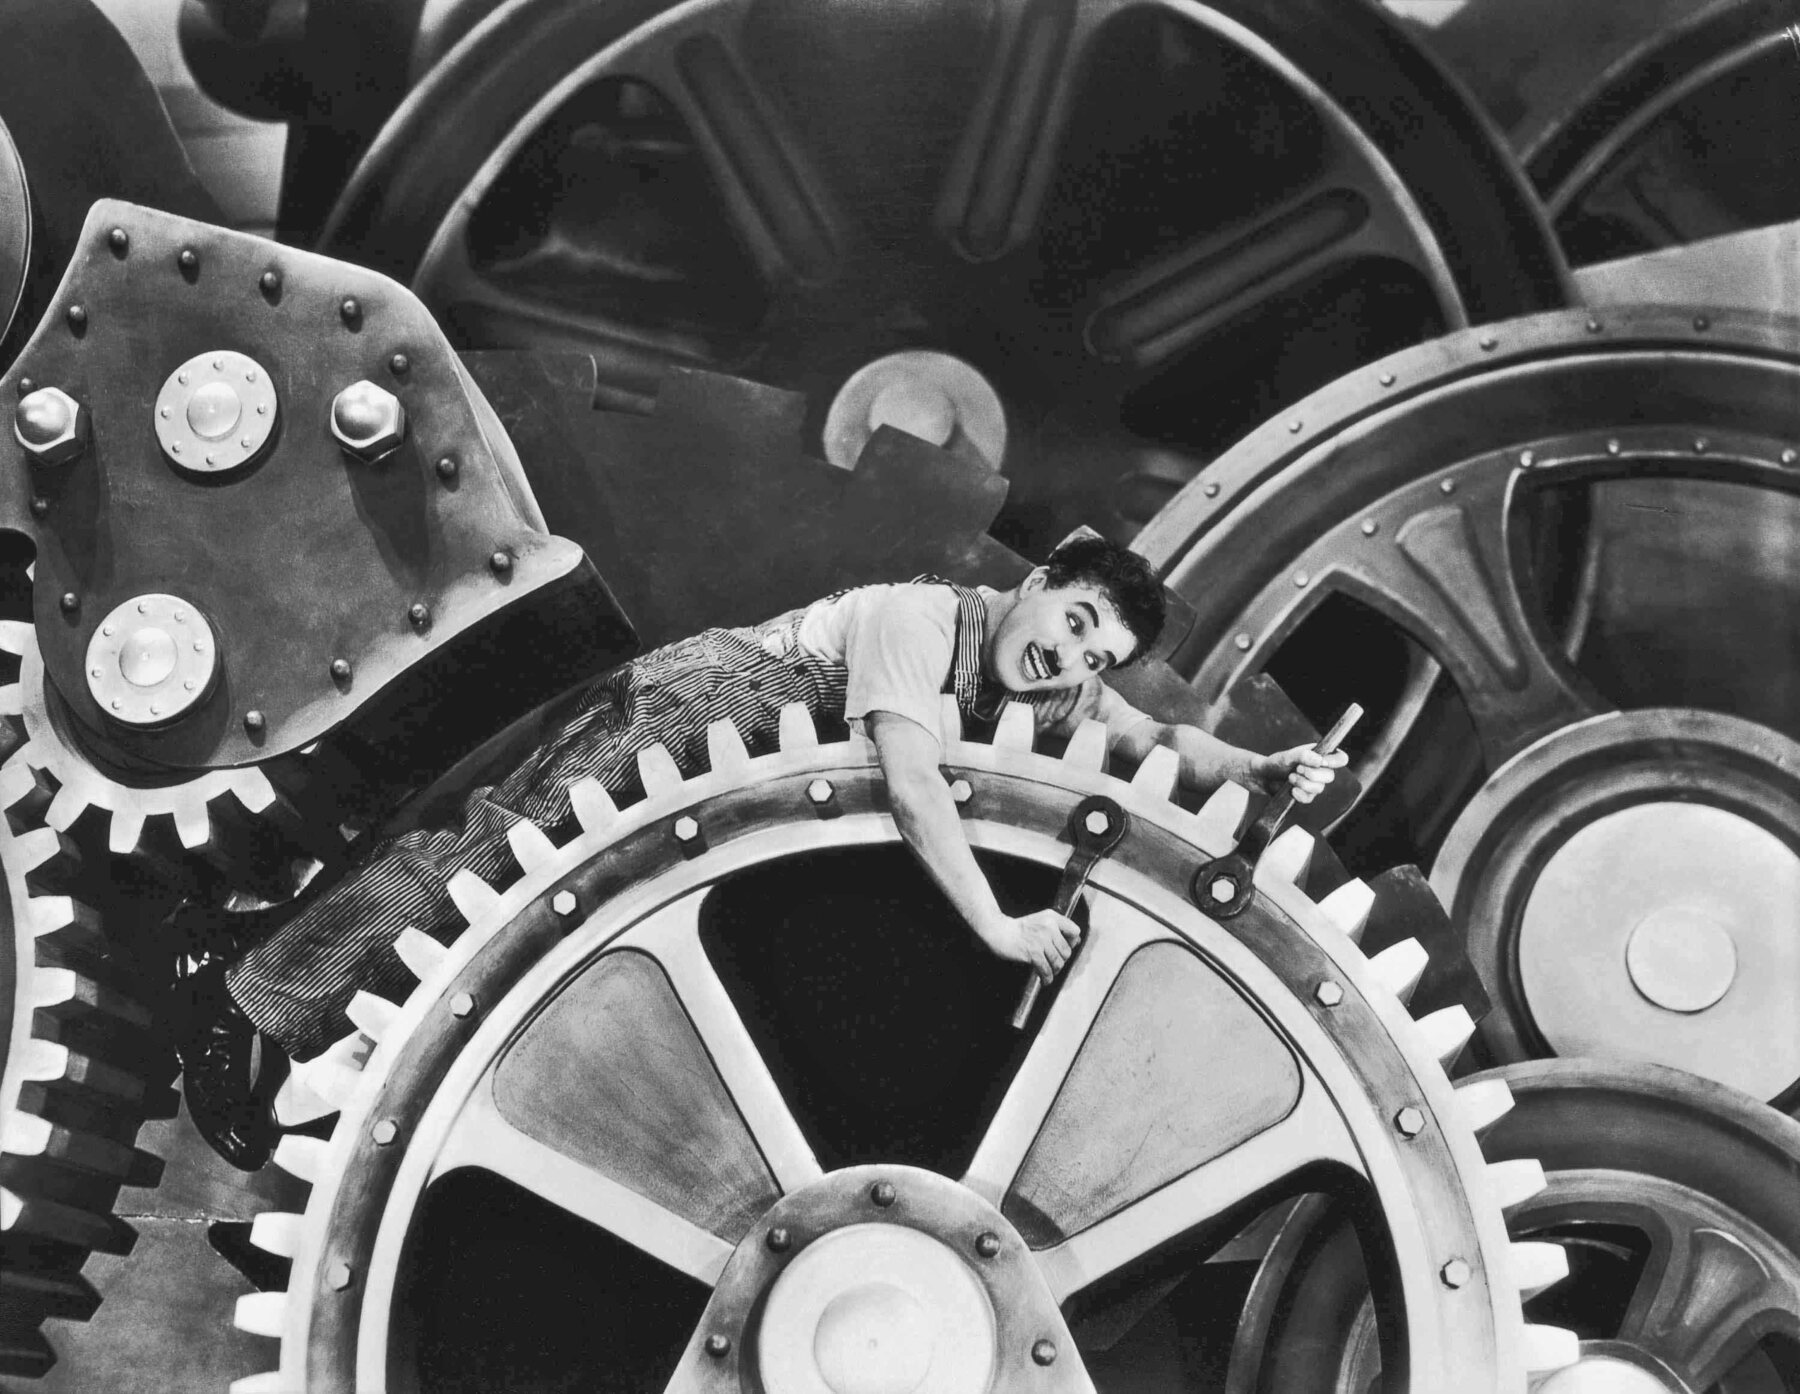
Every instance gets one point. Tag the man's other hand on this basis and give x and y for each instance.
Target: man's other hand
(1303, 769)
(1044, 939)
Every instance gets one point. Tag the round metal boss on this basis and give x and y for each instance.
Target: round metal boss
(152, 660)
(216, 412)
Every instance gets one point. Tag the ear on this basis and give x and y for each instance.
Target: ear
(1034, 580)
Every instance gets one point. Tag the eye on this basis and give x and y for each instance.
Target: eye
(1092, 663)
(1075, 625)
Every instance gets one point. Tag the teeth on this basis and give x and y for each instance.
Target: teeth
(725, 749)
(1017, 727)
(374, 1016)
(658, 770)
(949, 720)
(530, 848)
(472, 896)
(1348, 908)
(1220, 816)
(276, 1232)
(1537, 1267)
(1400, 966)
(1483, 1103)
(1286, 859)
(1447, 1031)
(262, 1313)
(269, 1382)
(301, 1156)
(594, 807)
(797, 729)
(1087, 748)
(1158, 774)
(1550, 1348)
(419, 952)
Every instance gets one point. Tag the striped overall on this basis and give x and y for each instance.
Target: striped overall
(296, 983)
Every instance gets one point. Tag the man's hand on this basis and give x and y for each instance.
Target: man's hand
(1302, 768)
(1044, 939)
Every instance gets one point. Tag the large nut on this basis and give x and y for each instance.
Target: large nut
(51, 425)
(368, 421)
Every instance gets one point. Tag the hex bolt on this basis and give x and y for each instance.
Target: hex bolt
(1370, 527)
(70, 602)
(1526, 459)
(462, 1006)
(500, 563)
(1294, 426)
(1043, 1352)
(1328, 994)
(883, 1194)
(1223, 889)
(119, 240)
(564, 903)
(821, 792)
(779, 1240)
(1386, 379)
(1210, 489)
(25, 387)
(1488, 343)
(718, 1345)
(385, 1131)
(1456, 1273)
(1789, 456)
(987, 1243)
(52, 426)
(337, 1275)
(40, 507)
(1612, 447)
(368, 421)
(1301, 580)
(1409, 1122)
(255, 722)
(1593, 326)
(1700, 444)
(961, 790)
(340, 670)
(188, 260)
(1243, 643)
(419, 613)
(686, 829)
(446, 468)
(1447, 486)
(1097, 823)
(350, 311)
(398, 364)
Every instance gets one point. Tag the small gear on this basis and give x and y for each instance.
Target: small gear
(597, 948)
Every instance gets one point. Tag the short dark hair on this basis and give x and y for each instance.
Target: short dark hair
(1119, 574)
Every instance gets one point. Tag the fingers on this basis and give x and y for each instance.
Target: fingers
(1051, 940)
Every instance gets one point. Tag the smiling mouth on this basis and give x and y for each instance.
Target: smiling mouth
(1040, 665)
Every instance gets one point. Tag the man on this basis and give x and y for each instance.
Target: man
(878, 657)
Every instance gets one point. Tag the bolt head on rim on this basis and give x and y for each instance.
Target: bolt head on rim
(51, 425)
(368, 421)
(216, 413)
(151, 661)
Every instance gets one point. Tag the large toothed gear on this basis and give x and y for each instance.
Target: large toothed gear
(578, 1055)
(51, 778)
(73, 1091)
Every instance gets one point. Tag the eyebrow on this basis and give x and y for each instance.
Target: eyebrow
(1094, 623)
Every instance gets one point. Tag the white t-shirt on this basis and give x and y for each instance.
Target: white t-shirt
(897, 644)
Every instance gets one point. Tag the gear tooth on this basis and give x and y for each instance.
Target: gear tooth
(262, 1313)
(1515, 1181)
(1017, 728)
(65, 808)
(1221, 816)
(24, 1134)
(1087, 747)
(1158, 775)
(659, 772)
(11, 1207)
(44, 1060)
(278, 1232)
(17, 780)
(1399, 967)
(950, 725)
(1286, 860)
(1483, 1103)
(1549, 1348)
(530, 847)
(1537, 1267)
(421, 954)
(12, 700)
(269, 1382)
(472, 896)
(253, 789)
(374, 1016)
(332, 1083)
(301, 1156)
(1447, 1031)
(125, 832)
(36, 846)
(594, 807)
(193, 825)
(797, 730)
(1348, 907)
(51, 987)
(297, 1102)
(725, 748)
(16, 636)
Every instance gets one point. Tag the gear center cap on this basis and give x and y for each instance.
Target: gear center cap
(1681, 959)
(876, 1309)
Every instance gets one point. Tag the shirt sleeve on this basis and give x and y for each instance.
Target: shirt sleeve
(897, 654)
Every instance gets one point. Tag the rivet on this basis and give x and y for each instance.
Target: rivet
(26, 387)
(143, 607)
(262, 408)
(199, 646)
(70, 602)
(686, 829)
(155, 710)
(419, 613)
(245, 442)
(1386, 379)
(779, 1240)
(188, 259)
(1456, 1273)
(255, 722)
(1488, 341)
(1699, 445)
(1526, 459)
(1702, 323)
(1328, 994)
(249, 375)
(340, 669)
(212, 459)
(446, 468)
(384, 1132)
(1789, 456)
(398, 364)
(564, 903)
(181, 378)
(1447, 487)
(187, 685)
(218, 365)
(1301, 579)
(77, 318)
(961, 790)
(500, 563)
(337, 1276)
(1409, 1122)
(117, 705)
(94, 672)
(1243, 642)
(1593, 326)
(271, 282)
(1043, 1352)
(883, 1194)
(1210, 489)
(1370, 527)
(107, 630)
(1097, 823)
(1294, 426)
(350, 311)
(821, 792)
(718, 1345)
(461, 1005)
(1612, 447)
(40, 507)
(119, 240)
(987, 1243)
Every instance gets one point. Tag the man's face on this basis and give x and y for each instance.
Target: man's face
(1057, 638)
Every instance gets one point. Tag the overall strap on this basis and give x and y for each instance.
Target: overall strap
(965, 679)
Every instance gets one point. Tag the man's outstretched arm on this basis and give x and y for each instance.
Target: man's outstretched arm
(1207, 762)
(928, 821)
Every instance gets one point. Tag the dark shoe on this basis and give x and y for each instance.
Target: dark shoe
(228, 1096)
